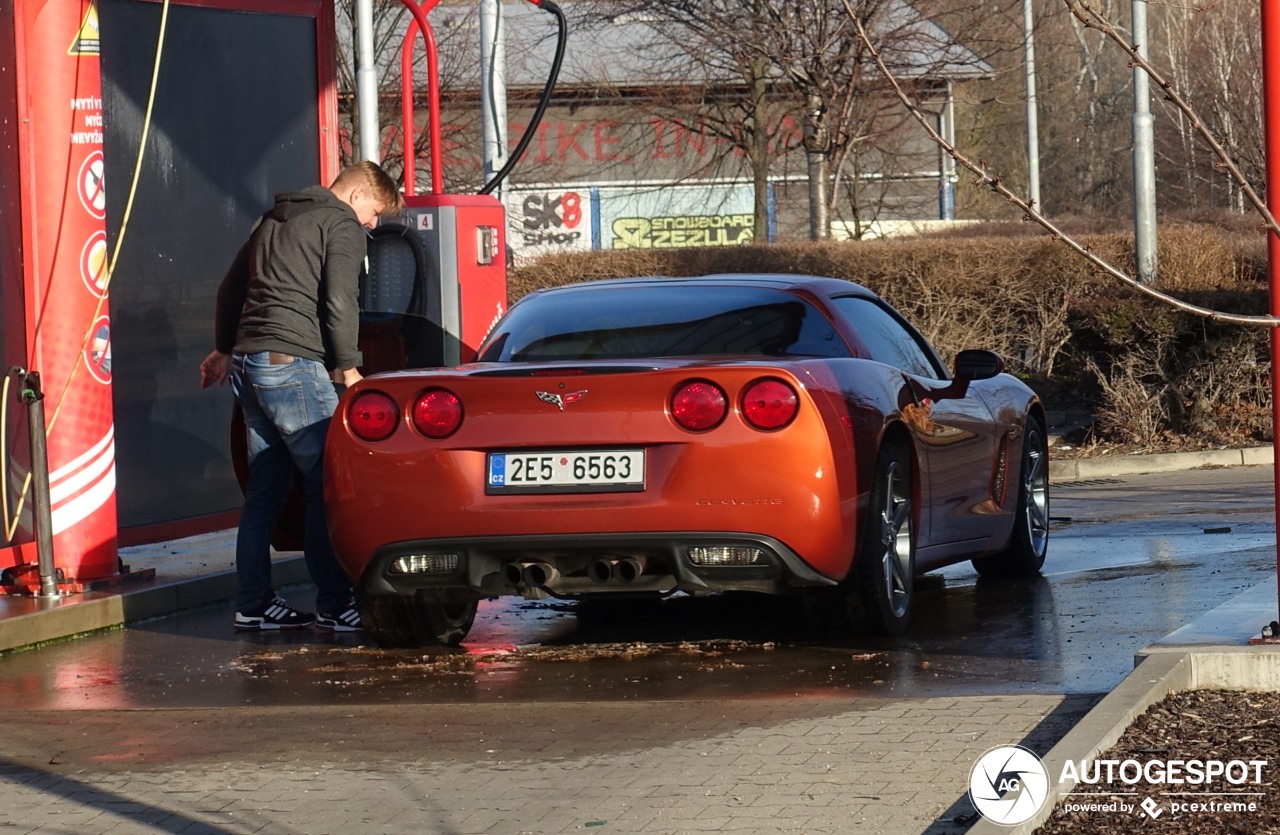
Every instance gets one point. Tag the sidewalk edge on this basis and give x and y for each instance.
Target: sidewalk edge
(76, 615)
(1076, 469)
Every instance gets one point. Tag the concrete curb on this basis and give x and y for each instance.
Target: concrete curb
(1230, 625)
(1076, 469)
(51, 620)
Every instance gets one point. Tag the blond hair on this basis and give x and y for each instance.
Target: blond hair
(371, 176)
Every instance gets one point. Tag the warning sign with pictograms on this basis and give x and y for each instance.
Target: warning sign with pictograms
(92, 195)
(86, 41)
(97, 354)
(93, 263)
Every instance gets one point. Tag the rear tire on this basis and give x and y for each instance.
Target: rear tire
(876, 597)
(388, 619)
(1029, 542)
(449, 614)
(433, 617)
(886, 562)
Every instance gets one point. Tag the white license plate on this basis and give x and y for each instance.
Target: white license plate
(571, 471)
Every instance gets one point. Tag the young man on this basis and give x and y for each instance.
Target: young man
(285, 330)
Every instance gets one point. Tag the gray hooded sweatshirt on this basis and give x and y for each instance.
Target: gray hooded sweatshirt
(294, 285)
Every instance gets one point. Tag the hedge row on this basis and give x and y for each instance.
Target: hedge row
(1151, 375)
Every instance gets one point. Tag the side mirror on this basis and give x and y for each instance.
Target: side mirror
(974, 364)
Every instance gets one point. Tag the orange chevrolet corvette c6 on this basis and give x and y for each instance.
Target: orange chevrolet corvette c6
(767, 433)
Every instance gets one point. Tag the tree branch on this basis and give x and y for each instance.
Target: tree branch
(1090, 17)
(1031, 213)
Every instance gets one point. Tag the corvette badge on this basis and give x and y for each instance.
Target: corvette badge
(561, 400)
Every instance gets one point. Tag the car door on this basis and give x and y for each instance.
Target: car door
(952, 429)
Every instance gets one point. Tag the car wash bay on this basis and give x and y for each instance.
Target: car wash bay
(1131, 560)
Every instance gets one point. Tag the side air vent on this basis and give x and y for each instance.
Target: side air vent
(1001, 478)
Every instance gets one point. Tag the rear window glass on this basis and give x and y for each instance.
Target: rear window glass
(673, 320)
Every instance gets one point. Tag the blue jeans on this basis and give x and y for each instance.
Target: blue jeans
(286, 411)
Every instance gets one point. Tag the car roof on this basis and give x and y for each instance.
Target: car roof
(779, 281)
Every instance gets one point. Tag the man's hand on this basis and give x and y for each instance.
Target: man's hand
(347, 377)
(214, 369)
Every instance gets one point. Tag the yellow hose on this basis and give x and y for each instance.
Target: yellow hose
(11, 525)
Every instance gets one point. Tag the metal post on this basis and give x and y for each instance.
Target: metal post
(1271, 124)
(947, 169)
(1033, 119)
(34, 398)
(1144, 157)
(493, 90)
(367, 84)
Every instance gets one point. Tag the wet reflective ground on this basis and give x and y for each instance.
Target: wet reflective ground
(1130, 561)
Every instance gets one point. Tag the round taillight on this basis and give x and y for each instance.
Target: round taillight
(372, 416)
(698, 405)
(437, 413)
(769, 404)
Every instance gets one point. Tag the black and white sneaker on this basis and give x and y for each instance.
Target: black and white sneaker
(277, 615)
(348, 620)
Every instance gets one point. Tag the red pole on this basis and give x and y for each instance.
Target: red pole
(420, 24)
(406, 112)
(1271, 119)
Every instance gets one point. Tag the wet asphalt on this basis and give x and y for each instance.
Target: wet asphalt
(1130, 561)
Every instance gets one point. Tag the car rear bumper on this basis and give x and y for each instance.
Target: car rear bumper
(589, 564)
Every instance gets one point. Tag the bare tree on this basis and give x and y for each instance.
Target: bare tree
(391, 24)
(390, 19)
(1092, 18)
(770, 90)
(735, 97)
(784, 79)
(1214, 56)
(721, 84)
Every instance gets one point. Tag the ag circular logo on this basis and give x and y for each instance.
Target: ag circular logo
(1008, 785)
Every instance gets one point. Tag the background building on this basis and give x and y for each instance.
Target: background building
(655, 119)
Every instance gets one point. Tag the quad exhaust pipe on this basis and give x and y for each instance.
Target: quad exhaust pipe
(630, 568)
(537, 574)
(600, 571)
(532, 574)
(625, 570)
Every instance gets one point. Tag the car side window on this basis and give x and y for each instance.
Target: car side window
(889, 339)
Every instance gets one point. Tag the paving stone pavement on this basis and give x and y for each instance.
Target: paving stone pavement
(752, 766)
(888, 766)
